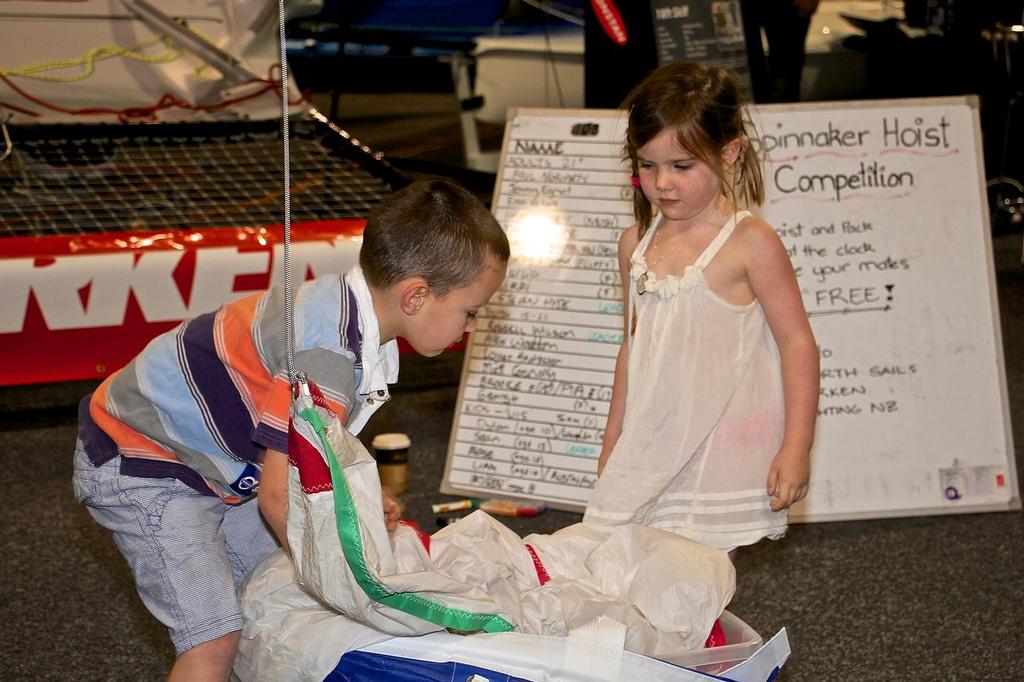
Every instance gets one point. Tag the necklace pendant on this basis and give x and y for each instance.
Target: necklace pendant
(641, 284)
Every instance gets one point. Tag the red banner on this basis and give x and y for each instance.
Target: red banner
(81, 306)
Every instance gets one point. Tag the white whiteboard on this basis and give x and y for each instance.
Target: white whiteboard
(881, 207)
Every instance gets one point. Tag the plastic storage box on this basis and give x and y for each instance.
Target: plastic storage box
(742, 640)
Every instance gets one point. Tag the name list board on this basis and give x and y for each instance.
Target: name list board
(881, 208)
(539, 367)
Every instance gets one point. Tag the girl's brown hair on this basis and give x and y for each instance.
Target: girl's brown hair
(704, 106)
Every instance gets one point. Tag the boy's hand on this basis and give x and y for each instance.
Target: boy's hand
(392, 509)
(788, 476)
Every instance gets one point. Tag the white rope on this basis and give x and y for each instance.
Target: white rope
(289, 313)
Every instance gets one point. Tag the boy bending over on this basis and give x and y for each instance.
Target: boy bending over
(174, 447)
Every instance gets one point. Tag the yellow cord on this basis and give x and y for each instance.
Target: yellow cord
(88, 62)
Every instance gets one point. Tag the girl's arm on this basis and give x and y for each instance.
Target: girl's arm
(774, 284)
(613, 427)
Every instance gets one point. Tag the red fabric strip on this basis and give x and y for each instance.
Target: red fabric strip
(717, 636)
(420, 533)
(542, 574)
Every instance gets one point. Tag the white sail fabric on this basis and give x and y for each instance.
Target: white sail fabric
(354, 583)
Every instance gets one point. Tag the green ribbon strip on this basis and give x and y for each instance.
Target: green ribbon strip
(352, 547)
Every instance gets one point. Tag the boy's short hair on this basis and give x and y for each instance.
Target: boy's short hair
(432, 229)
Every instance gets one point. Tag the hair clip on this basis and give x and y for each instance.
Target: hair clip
(635, 181)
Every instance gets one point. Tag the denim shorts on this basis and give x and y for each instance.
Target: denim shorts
(188, 552)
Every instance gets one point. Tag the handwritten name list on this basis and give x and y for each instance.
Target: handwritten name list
(539, 374)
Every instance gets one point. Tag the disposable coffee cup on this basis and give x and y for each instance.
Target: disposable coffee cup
(392, 453)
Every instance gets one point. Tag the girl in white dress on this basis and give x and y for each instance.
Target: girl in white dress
(716, 384)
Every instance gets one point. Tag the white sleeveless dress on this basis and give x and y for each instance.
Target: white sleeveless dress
(704, 412)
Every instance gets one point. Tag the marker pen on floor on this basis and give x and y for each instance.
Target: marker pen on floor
(502, 508)
(458, 505)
